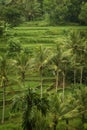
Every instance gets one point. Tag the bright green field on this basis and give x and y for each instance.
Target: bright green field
(34, 36)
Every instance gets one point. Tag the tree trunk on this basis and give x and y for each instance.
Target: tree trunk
(55, 121)
(63, 85)
(81, 75)
(83, 118)
(54, 127)
(67, 123)
(74, 76)
(23, 78)
(57, 78)
(41, 81)
(3, 110)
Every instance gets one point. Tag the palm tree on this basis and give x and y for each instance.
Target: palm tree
(60, 61)
(77, 45)
(5, 69)
(82, 57)
(64, 65)
(56, 63)
(41, 60)
(4, 79)
(63, 110)
(74, 66)
(81, 96)
(34, 111)
(22, 65)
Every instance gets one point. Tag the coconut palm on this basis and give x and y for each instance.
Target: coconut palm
(4, 80)
(5, 73)
(74, 46)
(33, 108)
(56, 63)
(80, 95)
(64, 65)
(22, 65)
(41, 60)
(60, 61)
(82, 57)
(77, 44)
(63, 110)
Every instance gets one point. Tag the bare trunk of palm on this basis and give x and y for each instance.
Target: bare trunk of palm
(23, 78)
(83, 118)
(81, 75)
(74, 76)
(55, 122)
(75, 71)
(67, 123)
(57, 78)
(3, 110)
(41, 81)
(63, 85)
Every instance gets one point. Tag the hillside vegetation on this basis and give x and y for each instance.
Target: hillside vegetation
(43, 58)
(43, 65)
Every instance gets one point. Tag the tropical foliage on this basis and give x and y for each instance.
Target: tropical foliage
(43, 68)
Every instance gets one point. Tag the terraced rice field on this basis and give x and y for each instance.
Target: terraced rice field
(32, 37)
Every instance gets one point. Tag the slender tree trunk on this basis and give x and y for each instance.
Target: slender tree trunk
(63, 85)
(55, 121)
(67, 123)
(74, 76)
(83, 118)
(54, 127)
(57, 78)
(41, 81)
(3, 110)
(23, 78)
(81, 75)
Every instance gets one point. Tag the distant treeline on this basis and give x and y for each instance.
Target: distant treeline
(56, 12)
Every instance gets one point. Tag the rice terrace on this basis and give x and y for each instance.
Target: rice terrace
(43, 65)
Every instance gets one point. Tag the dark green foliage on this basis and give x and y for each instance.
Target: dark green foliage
(56, 12)
(1, 31)
(32, 102)
(64, 11)
(82, 15)
(72, 108)
(12, 15)
(2, 28)
(14, 47)
(32, 9)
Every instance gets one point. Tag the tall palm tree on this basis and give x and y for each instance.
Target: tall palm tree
(56, 63)
(22, 65)
(4, 79)
(81, 96)
(82, 57)
(60, 60)
(74, 65)
(5, 73)
(42, 57)
(34, 111)
(76, 44)
(64, 65)
(62, 110)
